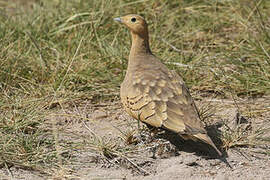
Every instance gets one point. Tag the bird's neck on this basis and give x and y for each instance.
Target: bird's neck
(140, 45)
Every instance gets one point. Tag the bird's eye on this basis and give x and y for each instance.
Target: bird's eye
(133, 19)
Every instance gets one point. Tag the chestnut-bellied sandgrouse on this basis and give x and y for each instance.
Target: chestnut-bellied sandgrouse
(155, 95)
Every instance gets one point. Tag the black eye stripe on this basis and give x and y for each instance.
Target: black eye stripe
(133, 19)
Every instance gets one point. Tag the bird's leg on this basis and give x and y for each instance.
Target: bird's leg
(153, 131)
(138, 120)
(139, 127)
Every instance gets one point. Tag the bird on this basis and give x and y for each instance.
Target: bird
(155, 95)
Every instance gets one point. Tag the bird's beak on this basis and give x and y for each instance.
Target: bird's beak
(117, 19)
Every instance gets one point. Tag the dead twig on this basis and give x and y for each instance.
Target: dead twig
(141, 170)
(173, 47)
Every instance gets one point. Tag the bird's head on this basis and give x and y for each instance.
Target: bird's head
(135, 23)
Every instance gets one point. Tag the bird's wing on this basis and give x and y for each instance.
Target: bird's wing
(161, 99)
(141, 98)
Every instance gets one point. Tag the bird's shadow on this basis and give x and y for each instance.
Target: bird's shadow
(199, 148)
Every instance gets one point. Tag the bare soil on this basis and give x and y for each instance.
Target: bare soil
(148, 155)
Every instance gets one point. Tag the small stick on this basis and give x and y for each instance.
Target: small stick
(136, 166)
(173, 47)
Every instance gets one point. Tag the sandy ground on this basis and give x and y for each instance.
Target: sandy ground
(153, 156)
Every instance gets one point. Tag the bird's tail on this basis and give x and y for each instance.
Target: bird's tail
(205, 138)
